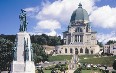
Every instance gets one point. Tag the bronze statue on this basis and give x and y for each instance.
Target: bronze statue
(14, 52)
(26, 51)
(31, 53)
(22, 17)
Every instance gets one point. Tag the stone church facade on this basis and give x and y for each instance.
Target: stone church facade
(79, 37)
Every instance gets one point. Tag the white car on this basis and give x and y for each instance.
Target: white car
(95, 66)
(46, 62)
(88, 66)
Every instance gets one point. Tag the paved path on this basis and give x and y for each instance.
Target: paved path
(70, 71)
(52, 63)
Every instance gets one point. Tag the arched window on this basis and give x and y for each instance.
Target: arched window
(76, 51)
(81, 50)
(91, 51)
(71, 51)
(65, 50)
(87, 51)
(60, 52)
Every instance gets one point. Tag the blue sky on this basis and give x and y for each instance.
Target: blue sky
(57, 13)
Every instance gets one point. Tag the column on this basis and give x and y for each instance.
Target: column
(71, 37)
(66, 39)
(79, 38)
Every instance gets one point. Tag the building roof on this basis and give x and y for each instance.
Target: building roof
(80, 15)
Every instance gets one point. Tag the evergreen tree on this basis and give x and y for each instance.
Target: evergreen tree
(5, 54)
(114, 65)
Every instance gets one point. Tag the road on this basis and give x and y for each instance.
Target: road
(51, 63)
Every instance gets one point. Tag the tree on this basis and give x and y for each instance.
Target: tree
(39, 39)
(39, 53)
(54, 40)
(5, 54)
(114, 65)
(99, 43)
(111, 42)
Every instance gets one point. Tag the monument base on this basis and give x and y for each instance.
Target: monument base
(22, 67)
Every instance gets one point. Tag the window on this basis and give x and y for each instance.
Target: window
(81, 50)
(78, 29)
(65, 50)
(76, 51)
(87, 51)
(71, 51)
(91, 51)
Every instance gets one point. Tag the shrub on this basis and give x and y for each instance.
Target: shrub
(114, 65)
(77, 71)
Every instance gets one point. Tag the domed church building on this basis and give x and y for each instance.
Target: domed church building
(79, 37)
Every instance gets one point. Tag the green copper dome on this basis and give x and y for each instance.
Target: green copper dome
(80, 15)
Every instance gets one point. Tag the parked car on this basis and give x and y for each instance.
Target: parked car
(88, 66)
(38, 66)
(95, 66)
(46, 62)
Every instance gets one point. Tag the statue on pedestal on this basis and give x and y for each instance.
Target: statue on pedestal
(22, 17)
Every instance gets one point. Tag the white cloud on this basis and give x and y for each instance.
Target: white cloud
(31, 9)
(50, 16)
(52, 33)
(104, 17)
(62, 9)
(106, 37)
(48, 24)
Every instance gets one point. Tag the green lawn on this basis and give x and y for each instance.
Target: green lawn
(60, 58)
(87, 56)
(90, 71)
(83, 71)
(47, 71)
(90, 59)
(102, 60)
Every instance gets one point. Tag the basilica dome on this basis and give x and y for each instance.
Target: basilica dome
(80, 15)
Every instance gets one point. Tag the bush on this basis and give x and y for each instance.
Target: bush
(113, 71)
(77, 71)
(49, 67)
(58, 66)
(114, 65)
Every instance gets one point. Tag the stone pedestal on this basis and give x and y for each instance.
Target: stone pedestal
(23, 62)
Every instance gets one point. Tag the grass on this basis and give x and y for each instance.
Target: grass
(60, 58)
(87, 56)
(90, 71)
(90, 59)
(100, 60)
(47, 71)
(83, 71)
